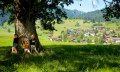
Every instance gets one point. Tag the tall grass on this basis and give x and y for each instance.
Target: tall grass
(67, 58)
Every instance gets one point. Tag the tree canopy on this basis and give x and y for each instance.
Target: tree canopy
(49, 11)
(45, 10)
(112, 9)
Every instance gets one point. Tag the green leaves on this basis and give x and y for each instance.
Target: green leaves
(49, 10)
(46, 10)
(112, 10)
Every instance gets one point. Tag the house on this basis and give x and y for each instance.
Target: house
(98, 27)
(50, 37)
(116, 39)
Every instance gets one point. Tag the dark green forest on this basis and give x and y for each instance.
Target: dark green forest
(90, 16)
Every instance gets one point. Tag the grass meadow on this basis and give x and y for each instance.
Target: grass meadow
(60, 57)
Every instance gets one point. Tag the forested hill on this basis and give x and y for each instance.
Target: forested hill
(73, 14)
(93, 16)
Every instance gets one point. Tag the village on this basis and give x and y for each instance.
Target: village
(97, 34)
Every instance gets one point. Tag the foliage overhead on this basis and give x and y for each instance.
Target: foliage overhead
(112, 9)
(49, 11)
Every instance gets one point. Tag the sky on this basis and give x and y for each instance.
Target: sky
(87, 5)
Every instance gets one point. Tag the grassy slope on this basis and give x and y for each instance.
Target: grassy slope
(69, 24)
(63, 56)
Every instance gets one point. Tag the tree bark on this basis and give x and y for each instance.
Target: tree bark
(27, 29)
(25, 20)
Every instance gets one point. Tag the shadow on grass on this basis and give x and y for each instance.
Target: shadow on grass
(79, 57)
(76, 57)
(7, 60)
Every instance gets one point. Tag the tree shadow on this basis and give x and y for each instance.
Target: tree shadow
(8, 60)
(77, 57)
(81, 57)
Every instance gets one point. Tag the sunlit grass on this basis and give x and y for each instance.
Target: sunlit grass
(6, 40)
(61, 56)
(85, 58)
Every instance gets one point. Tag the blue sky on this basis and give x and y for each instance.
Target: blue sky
(87, 5)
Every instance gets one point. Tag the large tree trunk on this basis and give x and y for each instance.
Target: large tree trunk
(25, 20)
(27, 29)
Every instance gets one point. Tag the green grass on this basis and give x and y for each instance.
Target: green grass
(111, 25)
(68, 24)
(6, 40)
(57, 58)
(61, 56)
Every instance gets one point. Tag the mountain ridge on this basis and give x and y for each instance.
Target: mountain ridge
(92, 16)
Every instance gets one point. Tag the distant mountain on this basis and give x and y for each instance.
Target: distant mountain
(92, 16)
(73, 14)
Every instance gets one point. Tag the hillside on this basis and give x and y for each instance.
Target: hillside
(72, 14)
(92, 16)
